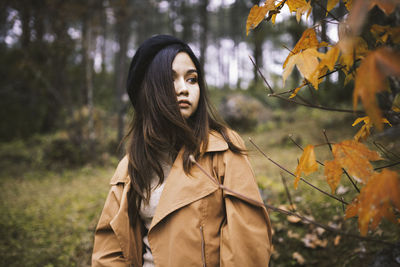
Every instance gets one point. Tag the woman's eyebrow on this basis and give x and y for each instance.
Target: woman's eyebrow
(191, 71)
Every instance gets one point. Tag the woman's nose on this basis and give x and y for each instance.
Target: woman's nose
(180, 87)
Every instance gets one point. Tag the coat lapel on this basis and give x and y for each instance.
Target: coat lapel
(182, 189)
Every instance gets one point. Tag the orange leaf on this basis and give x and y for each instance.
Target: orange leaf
(384, 33)
(370, 79)
(352, 49)
(364, 132)
(306, 62)
(376, 200)
(333, 173)
(300, 7)
(331, 4)
(297, 90)
(307, 164)
(307, 40)
(386, 6)
(257, 14)
(352, 208)
(348, 4)
(355, 158)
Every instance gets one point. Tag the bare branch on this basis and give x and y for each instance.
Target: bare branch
(292, 207)
(359, 112)
(387, 166)
(262, 76)
(301, 179)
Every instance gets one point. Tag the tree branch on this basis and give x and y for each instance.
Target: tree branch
(359, 112)
(301, 179)
(262, 76)
(292, 207)
(387, 166)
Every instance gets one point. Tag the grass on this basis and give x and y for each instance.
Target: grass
(48, 217)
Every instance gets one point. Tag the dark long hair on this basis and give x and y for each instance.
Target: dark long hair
(158, 127)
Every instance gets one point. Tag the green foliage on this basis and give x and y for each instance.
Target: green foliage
(48, 219)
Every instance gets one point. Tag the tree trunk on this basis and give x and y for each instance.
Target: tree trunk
(87, 42)
(123, 34)
(203, 31)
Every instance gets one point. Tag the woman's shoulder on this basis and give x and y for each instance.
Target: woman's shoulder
(121, 173)
(217, 142)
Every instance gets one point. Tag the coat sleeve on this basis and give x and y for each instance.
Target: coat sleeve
(107, 250)
(246, 232)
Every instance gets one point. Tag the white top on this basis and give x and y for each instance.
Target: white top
(147, 211)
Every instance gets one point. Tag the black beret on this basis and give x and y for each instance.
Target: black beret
(142, 59)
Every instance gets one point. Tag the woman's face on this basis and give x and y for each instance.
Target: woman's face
(186, 84)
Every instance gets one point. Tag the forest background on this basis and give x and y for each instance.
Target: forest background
(64, 111)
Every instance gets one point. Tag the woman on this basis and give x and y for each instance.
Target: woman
(161, 209)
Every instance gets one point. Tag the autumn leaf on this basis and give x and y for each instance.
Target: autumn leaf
(307, 40)
(333, 173)
(328, 61)
(365, 130)
(352, 49)
(257, 14)
(387, 6)
(307, 164)
(306, 62)
(383, 34)
(371, 79)
(295, 91)
(300, 7)
(331, 4)
(355, 157)
(348, 4)
(376, 200)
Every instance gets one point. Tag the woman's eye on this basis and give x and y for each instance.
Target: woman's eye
(192, 80)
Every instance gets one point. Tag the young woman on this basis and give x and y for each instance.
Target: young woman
(162, 210)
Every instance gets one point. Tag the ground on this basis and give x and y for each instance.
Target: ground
(48, 215)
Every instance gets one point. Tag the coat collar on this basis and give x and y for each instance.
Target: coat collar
(215, 143)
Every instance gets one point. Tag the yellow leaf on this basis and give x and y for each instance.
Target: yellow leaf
(348, 4)
(364, 132)
(376, 200)
(307, 163)
(352, 49)
(295, 4)
(355, 157)
(257, 14)
(333, 173)
(371, 79)
(297, 90)
(329, 59)
(307, 40)
(331, 4)
(300, 7)
(306, 62)
(384, 33)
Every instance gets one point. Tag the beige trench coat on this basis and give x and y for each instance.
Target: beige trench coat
(195, 223)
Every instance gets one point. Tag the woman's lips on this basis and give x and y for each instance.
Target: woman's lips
(184, 103)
